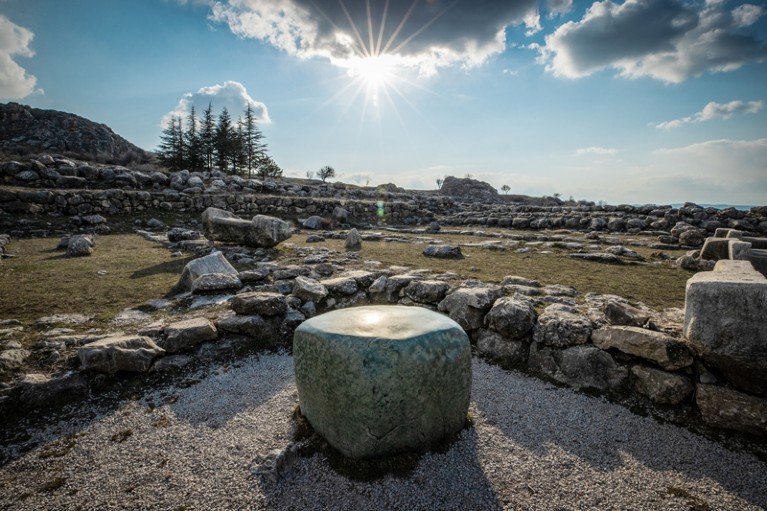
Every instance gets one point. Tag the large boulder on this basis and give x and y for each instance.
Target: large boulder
(467, 188)
(726, 323)
(261, 303)
(376, 381)
(261, 231)
(502, 350)
(661, 387)
(214, 263)
(726, 408)
(353, 241)
(80, 245)
(427, 291)
(119, 353)
(269, 231)
(511, 317)
(309, 289)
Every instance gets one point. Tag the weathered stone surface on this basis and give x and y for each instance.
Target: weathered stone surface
(467, 305)
(171, 363)
(39, 389)
(443, 251)
(340, 285)
(726, 323)
(587, 367)
(661, 387)
(502, 350)
(254, 326)
(427, 291)
(726, 408)
(213, 263)
(269, 231)
(376, 381)
(13, 358)
(599, 257)
(468, 188)
(561, 326)
(79, 246)
(353, 241)
(511, 317)
(309, 289)
(119, 353)
(395, 284)
(315, 222)
(692, 238)
(656, 347)
(620, 313)
(182, 335)
(263, 303)
(215, 282)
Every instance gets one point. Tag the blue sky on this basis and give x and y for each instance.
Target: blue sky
(642, 101)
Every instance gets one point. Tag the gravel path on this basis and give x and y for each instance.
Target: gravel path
(533, 446)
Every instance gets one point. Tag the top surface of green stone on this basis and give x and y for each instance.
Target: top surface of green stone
(383, 322)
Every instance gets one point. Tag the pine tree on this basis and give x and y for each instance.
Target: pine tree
(171, 150)
(254, 148)
(223, 140)
(192, 142)
(207, 138)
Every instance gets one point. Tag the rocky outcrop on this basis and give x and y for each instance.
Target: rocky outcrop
(468, 189)
(26, 129)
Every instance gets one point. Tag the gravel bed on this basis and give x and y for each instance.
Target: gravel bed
(209, 443)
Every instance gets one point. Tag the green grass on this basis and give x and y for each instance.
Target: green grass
(124, 271)
(658, 286)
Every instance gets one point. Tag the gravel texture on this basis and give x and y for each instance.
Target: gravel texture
(209, 443)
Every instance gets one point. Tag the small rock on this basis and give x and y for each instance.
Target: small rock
(443, 251)
(353, 241)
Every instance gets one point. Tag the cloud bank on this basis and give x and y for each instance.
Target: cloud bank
(426, 35)
(666, 40)
(15, 83)
(230, 94)
(713, 111)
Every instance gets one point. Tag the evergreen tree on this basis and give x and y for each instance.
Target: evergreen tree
(192, 141)
(207, 138)
(171, 150)
(268, 168)
(254, 148)
(237, 156)
(223, 140)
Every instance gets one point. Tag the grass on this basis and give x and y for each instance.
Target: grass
(124, 271)
(658, 286)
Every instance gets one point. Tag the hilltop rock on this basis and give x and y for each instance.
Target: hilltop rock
(26, 128)
(467, 188)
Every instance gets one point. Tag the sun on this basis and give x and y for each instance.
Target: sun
(374, 72)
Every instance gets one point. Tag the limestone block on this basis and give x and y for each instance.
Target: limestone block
(257, 302)
(467, 305)
(119, 353)
(379, 380)
(443, 251)
(309, 289)
(502, 350)
(269, 231)
(660, 386)
(727, 408)
(739, 250)
(511, 317)
(561, 326)
(353, 241)
(212, 283)
(427, 291)
(656, 347)
(182, 335)
(587, 367)
(212, 263)
(715, 248)
(725, 320)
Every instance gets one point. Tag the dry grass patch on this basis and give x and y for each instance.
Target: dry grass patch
(658, 286)
(124, 271)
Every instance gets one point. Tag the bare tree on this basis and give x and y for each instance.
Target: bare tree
(326, 172)
(309, 174)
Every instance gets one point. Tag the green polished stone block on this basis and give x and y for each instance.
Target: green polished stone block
(380, 380)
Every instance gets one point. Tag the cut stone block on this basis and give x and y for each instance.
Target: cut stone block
(726, 408)
(119, 353)
(725, 320)
(379, 380)
(656, 347)
(213, 263)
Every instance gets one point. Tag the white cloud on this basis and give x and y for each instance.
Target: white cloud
(715, 110)
(559, 7)
(15, 83)
(598, 151)
(230, 94)
(425, 36)
(670, 41)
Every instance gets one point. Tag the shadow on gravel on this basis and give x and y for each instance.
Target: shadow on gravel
(540, 417)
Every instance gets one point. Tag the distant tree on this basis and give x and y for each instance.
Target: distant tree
(440, 181)
(505, 189)
(469, 176)
(207, 137)
(268, 168)
(237, 156)
(326, 172)
(192, 156)
(171, 150)
(254, 149)
(309, 174)
(224, 140)
(557, 195)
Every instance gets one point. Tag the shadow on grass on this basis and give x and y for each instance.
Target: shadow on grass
(175, 267)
